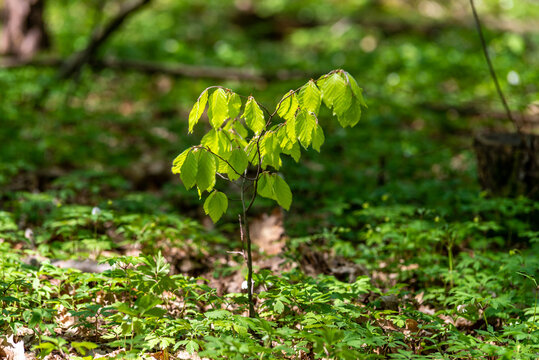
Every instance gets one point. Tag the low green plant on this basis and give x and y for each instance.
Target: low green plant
(255, 137)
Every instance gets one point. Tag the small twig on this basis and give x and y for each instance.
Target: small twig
(237, 252)
(258, 171)
(491, 69)
(221, 158)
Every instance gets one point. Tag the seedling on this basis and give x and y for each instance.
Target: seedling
(259, 137)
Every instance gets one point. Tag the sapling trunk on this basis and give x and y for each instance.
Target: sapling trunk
(252, 312)
(247, 237)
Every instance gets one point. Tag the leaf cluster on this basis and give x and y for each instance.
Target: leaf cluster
(244, 133)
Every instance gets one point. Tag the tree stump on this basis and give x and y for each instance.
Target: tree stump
(24, 32)
(506, 166)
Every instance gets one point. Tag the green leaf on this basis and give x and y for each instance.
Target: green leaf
(218, 314)
(265, 186)
(241, 330)
(282, 192)
(215, 205)
(294, 151)
(273, 187)
(333, 89)
(155, 312)
(82, 346)
(253, 115)
(342, 101)
(222, 167)
(178, 161)
(352, 115)
(205, 176)
(37, 318)
(356, 90)
(191, 347)
(189, 168)
(147, 302)
(126, 309)
(278, 306)
(211, 141)
(318, 137)
(197, 110)
(288, 106)
(224, 146)
(46, 348)
(305, 124)
(219, 108)
(240, 129)
(266, 143)
(310, 97)
(238, 160)
(234, 105)
(291, 130)
(270, 151)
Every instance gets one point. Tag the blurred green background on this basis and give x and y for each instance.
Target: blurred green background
(112, 134)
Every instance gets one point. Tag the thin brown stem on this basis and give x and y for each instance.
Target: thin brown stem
(491, 68)
(258, 171)
(223, 159)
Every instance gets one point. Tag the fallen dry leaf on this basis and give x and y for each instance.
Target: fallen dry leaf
(11, 350)
(267, 232)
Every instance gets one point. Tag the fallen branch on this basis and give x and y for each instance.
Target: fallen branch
(150, 67)
(76, 61)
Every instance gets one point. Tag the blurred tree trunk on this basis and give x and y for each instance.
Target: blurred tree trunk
(24, 32)
(508, 163)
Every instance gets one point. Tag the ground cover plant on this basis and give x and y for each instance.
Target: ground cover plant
(390, 249)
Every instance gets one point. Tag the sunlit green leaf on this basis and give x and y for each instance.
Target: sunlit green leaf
(310, 97)
(234, 105)
(291, 130)
(332, 86)
(219, 108)
(238, 160)
(205, 175)
(305, 124)
(211, 141)
(293, 150)
(188, 171)
(197, 110)
(224, 144)
(288, 106)
(270, 151)
(253, 115)
(240, 129)
(178, 161)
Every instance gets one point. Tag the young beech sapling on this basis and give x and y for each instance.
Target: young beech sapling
(258, 137)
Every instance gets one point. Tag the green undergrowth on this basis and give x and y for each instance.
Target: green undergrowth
(419, 284)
